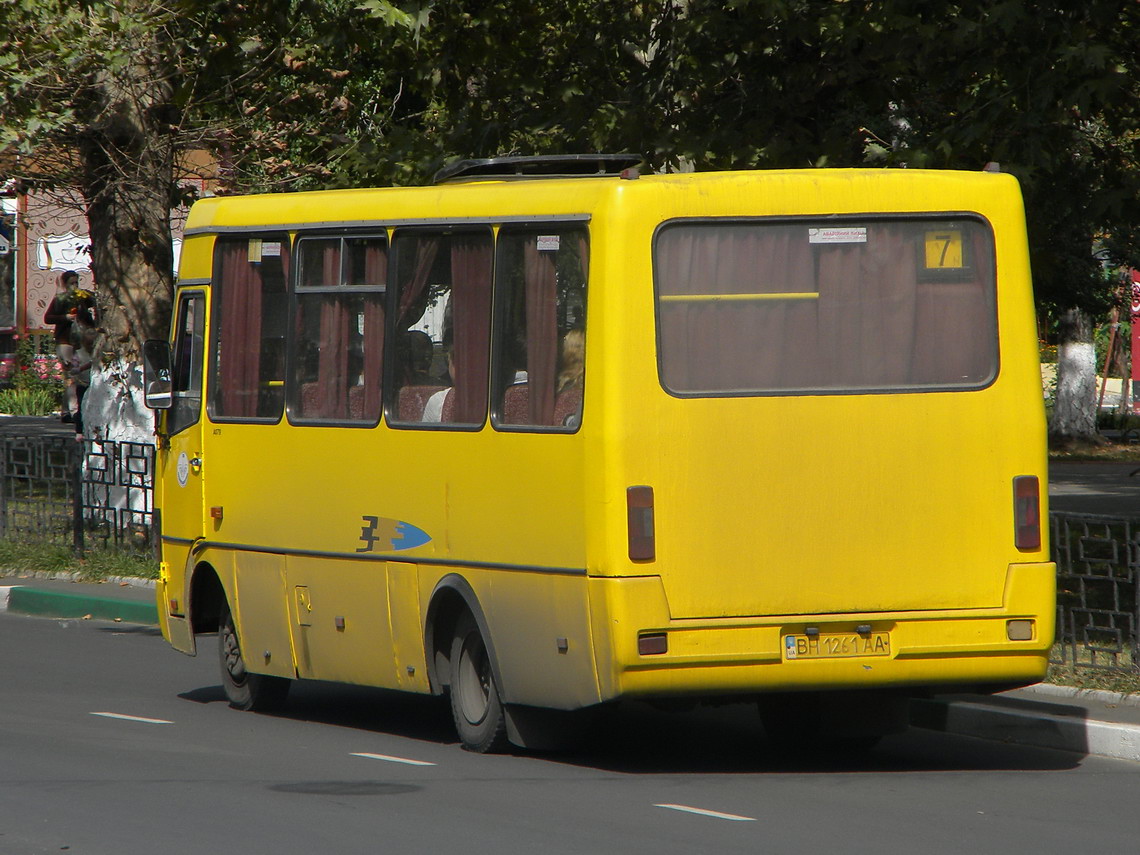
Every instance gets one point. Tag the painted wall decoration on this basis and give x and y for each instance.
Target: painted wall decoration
(64, 252)
(57, 241)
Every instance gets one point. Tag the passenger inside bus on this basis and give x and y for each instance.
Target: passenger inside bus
(418, 352)
(568, 390)
(435, 410)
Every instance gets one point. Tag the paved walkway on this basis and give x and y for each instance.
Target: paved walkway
(34, 426)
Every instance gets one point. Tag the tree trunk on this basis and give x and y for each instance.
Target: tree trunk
(1074, 409)
(1122, 368)
(128, 172)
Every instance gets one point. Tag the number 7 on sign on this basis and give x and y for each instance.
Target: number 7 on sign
(944, 249)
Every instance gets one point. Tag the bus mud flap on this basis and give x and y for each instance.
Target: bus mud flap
(541, 729)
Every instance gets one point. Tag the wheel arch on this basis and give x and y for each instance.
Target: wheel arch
(451, 597)
(207, 597)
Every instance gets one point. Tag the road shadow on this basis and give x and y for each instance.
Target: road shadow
(131, 629)
(635, 738)
(638, 739)
(403, 714)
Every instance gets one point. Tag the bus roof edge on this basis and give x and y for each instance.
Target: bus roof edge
(538, 166)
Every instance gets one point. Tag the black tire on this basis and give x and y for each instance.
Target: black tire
(475, 703)
(245, 690)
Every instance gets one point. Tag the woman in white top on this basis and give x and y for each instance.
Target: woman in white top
(433, 409)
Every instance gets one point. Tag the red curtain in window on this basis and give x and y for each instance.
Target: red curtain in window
(375, 273)
(471, 313)
(239, 345)
(426, 250)
(332, 365)
(541, 331)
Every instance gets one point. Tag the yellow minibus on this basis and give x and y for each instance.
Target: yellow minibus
(552, 433)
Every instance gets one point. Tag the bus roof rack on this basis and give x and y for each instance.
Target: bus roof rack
(538, 166)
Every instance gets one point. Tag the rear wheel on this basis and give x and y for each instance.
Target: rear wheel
(245, 690)
(475, 703)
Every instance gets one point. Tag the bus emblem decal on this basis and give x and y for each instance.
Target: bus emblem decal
(398, 534)
(183, 469)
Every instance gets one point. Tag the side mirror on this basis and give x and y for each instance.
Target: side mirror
(157, 385)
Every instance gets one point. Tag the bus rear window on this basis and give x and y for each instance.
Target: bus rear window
(825, 307)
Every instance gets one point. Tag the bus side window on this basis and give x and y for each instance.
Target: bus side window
(540, 281)
(186, 376)
(337, 347)
(248, 363)
(442, 327)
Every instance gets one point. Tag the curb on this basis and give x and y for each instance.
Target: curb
(65, 576)
(1072, 693)
(1040, 729)
(30, 601)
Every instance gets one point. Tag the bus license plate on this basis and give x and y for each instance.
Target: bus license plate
(837, 646)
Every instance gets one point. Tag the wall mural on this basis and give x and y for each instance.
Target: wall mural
(57, 234)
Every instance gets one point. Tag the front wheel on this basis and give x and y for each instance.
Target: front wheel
(475, 703)
(245, 690)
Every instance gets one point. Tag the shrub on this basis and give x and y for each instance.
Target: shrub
(33, 377)
(28, 402)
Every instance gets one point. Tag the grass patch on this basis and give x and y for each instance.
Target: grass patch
(28, 402)
(1104, 452)
(1125, 680)
(1084, 678)
(95, 565)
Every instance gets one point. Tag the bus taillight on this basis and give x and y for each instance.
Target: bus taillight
(639, 511)
(1027, 512)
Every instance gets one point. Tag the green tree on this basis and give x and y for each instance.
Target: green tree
(297, 94)
(106, 96)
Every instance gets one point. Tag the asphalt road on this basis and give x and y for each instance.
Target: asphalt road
(113, 744)
(1112, 489)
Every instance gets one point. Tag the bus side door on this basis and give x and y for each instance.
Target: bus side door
(179, 462)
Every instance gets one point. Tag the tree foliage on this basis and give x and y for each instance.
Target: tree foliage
(298, 94)
(106, 97)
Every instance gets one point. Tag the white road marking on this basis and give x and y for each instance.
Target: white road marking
(715, 814)
(133, 718)
(391, 759)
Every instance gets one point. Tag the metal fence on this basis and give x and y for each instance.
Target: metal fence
(98, 493)
(1098, 610)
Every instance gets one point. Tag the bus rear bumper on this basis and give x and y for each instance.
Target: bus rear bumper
(938, 649)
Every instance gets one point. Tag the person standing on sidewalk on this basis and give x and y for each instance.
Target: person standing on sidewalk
(83, 343)
(70, 302)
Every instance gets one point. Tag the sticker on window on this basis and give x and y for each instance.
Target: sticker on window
(838, 234)
(943, 250)
(549, 243)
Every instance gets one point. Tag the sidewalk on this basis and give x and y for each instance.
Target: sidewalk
(1047, 716)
